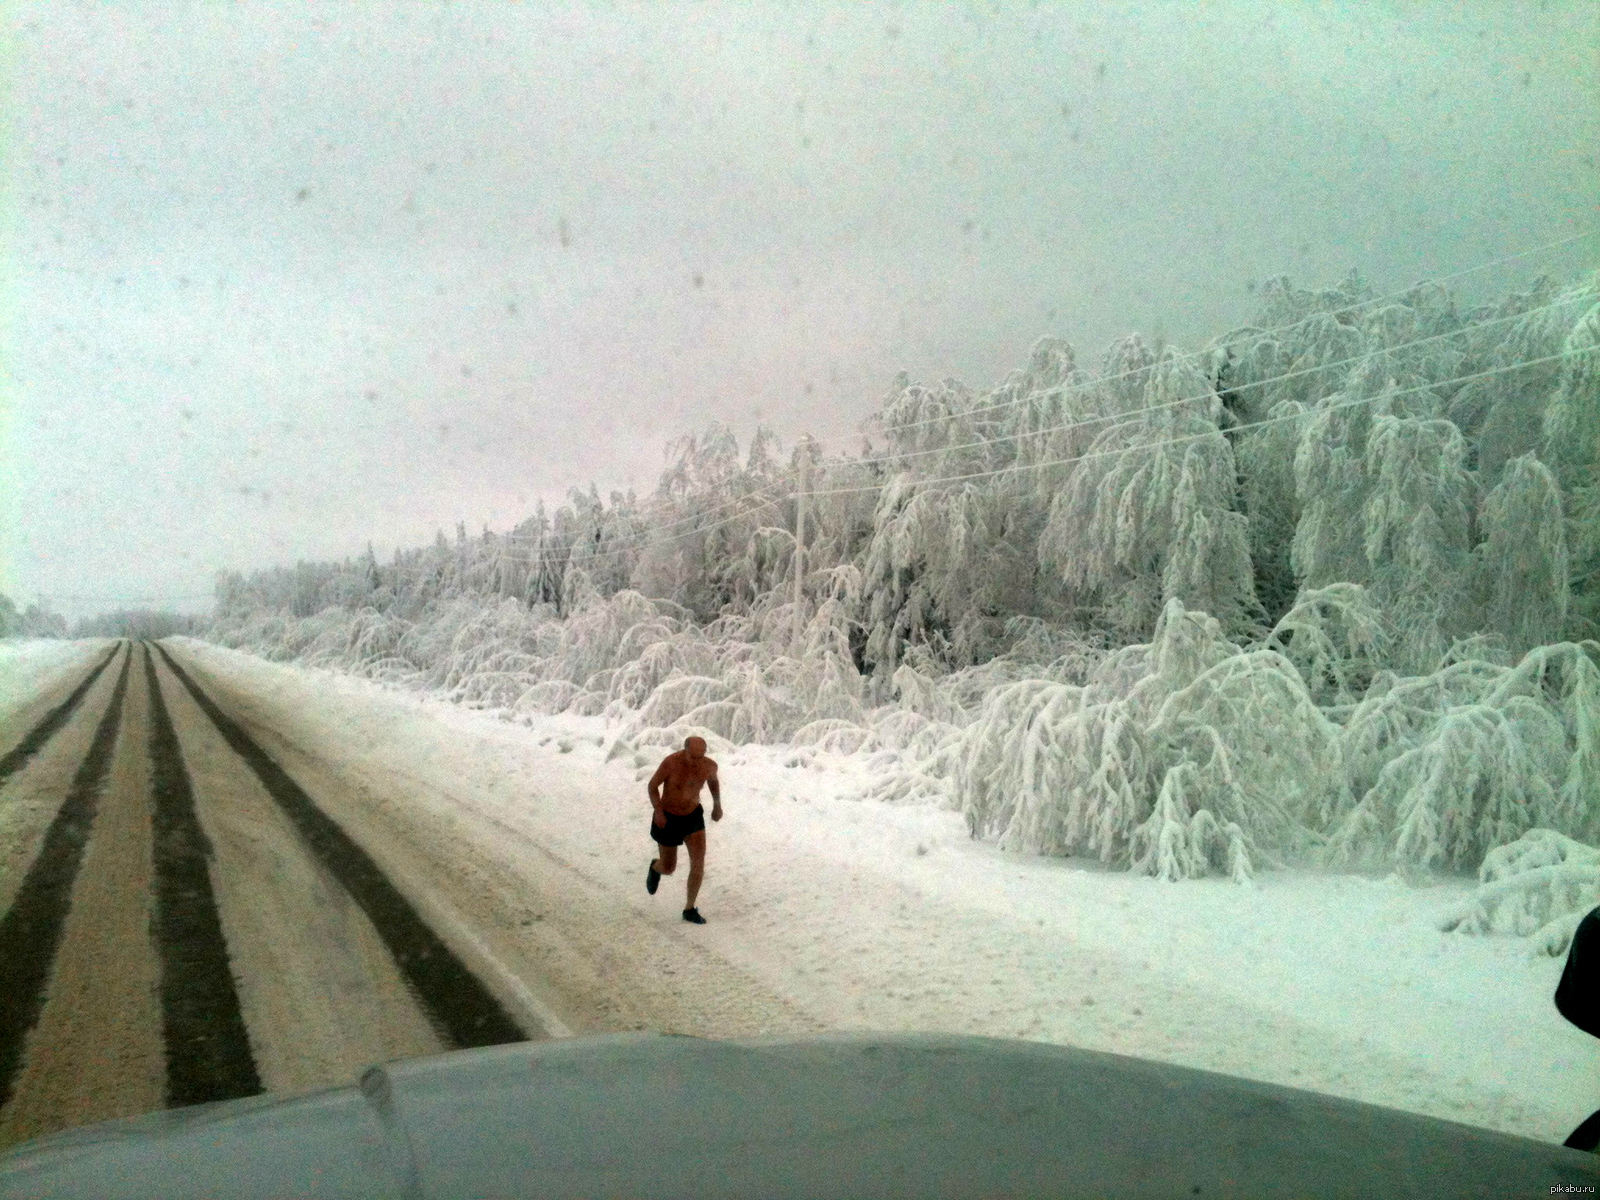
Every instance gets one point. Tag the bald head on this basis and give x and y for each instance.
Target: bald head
(694, 746)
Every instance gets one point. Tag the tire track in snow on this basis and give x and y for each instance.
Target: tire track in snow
(208, 1048)
(96, 1052)
(318, 988)
(462, 1009)
(53, 721)
(30, 930)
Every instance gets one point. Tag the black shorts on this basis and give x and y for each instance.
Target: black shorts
(677, 828)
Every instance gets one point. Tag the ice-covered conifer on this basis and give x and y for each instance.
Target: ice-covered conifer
(1331, 489)
(707, 505)
(1208, 565)
(1386, 502)
(1265, 460)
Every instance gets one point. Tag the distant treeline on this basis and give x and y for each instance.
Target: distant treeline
(1442, 458)
(1326, 591)
(138, 623)
(37, 620)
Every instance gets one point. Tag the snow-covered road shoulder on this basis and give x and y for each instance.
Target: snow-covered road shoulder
(866, 916)
(31, 667)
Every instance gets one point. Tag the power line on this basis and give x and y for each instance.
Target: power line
(1194, 356)
(511, 389)
(614, 550)
(730, 502)
(1259, 383)
(168, 599)
(1090, 455)
(763, 497)
(1189, 437)
(1143, 446)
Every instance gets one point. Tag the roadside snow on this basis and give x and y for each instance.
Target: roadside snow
(28, 665)
(867, 916)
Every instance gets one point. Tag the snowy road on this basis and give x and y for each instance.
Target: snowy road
(182, 923)
(522, 848)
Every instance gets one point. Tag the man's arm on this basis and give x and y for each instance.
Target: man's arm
(654, 788)
(716, 793)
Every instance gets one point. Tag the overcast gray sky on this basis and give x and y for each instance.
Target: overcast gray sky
(281, 279)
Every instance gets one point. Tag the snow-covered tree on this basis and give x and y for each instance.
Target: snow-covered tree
(1522, 560)
(1539, 886)
(1416, 532)
(1572, 446)
(1335, 639)
(1148, 515)
(950, 558)
(1443, 767)
(37, 620)
(706, 508)
(1336, 647)
(1177, 757)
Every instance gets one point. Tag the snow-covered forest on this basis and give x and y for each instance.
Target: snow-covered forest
(1324, 591)
(37, 620)
(137, 623)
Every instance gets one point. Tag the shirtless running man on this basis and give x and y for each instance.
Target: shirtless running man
(679, 820)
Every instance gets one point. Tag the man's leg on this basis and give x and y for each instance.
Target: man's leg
(696, 844)
(667, 860)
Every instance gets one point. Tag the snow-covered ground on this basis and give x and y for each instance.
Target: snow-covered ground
(868, 916)
(28, 664)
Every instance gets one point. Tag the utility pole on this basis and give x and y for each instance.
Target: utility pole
(800, 532)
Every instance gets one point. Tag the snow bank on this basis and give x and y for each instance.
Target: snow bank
(30, 665)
